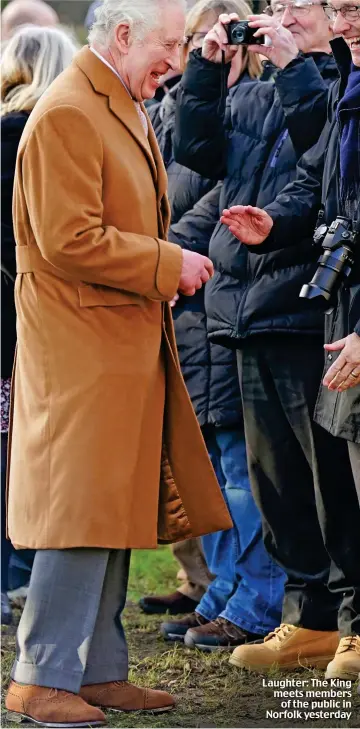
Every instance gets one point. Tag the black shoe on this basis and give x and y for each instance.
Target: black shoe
(6, 611)
(220, 633)
(177, 629)
(174, 604)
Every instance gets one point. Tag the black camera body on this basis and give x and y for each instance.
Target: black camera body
(240, 34)
(338, 242)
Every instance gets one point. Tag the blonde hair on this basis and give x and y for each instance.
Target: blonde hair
(194, 17)
(30, 62)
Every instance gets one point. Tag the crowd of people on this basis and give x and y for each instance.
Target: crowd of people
(188, 350)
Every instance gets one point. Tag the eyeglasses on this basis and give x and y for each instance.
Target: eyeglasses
(349, 12)
(197, 39)
(298, 8)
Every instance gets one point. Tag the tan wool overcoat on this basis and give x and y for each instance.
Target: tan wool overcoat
(105, 450)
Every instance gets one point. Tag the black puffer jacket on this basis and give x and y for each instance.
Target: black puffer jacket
(185, 187)
(209, 370)
(294, 213)
(254, 146)
(12, 126)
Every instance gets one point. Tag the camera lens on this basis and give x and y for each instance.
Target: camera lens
(239, 34)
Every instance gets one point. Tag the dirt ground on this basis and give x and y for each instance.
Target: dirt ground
(210, 692)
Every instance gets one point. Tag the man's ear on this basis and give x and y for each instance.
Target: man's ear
(122, 38)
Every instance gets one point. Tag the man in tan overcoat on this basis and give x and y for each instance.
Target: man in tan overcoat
(106, 454)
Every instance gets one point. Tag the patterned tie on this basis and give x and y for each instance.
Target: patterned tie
(142, 118)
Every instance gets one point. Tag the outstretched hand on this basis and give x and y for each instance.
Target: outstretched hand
(250, 225)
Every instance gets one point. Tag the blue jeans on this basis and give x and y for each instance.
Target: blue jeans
(248, 588)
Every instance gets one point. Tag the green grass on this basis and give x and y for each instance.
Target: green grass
(209, 692)
(152, 572)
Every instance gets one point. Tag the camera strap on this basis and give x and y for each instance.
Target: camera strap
(223, 82)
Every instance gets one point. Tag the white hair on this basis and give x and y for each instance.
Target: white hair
(141, 16)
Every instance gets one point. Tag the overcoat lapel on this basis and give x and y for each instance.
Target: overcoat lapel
(105, 82)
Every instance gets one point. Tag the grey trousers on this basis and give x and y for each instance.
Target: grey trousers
(70, 632)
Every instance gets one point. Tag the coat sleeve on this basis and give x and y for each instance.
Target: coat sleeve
(303, 93)
(200, 139)
(295, 210)
(62, 180)
(195, 228)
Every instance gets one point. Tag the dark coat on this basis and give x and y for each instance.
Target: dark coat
(12, 126)
(294, 213)
(254, 145)
(209, 370)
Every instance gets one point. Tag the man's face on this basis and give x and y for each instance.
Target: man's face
(159, 52)
(306, 21)
(348, 25)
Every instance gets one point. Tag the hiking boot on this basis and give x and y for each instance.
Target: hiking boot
(346, 662)
(288, 647)
(51, 707)
(220, 633)
(124, 696)
(174, 604)
(177, 629)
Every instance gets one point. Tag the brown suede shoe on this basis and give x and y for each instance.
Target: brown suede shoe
(52, 707)
(286, 648)
(346, 662)
(124, 696)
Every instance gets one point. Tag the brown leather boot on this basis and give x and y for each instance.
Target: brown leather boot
(288, 647)
(52, 707)
(218, 634)
(177, 629)
(124, 696)
(346, 662)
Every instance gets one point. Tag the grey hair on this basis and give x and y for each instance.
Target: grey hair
(141, 16)
(31, 60)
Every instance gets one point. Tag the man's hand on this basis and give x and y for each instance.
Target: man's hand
(216, 41)
(283, 48)
(250, 225)
(174, 301)
(196, 270)
(345, 372)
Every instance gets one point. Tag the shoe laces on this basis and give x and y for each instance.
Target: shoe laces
(228, 628)
(280, 633)
(55, 693)
(350, 643)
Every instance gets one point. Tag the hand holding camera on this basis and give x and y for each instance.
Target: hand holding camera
(217, 41)
(261, 34)
(279, 47)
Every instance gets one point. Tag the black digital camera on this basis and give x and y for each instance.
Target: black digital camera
(239, 33)
(338, 242)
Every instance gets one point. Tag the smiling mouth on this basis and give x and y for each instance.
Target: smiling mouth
(353, 43)
(156, 76)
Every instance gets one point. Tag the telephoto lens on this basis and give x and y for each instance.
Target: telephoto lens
(336, 261)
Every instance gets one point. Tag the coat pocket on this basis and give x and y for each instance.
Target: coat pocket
(92, 295)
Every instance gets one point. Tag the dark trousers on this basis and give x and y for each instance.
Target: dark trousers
(302, 482)
(17, 574)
